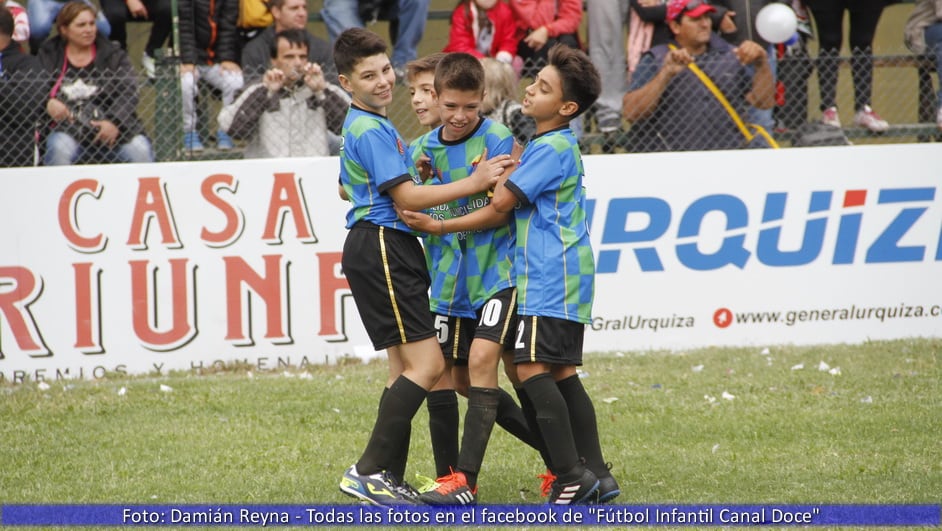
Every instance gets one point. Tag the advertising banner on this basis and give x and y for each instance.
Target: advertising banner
(177, 266)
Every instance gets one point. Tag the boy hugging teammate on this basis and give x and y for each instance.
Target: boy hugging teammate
(554, 270)
(382, 258)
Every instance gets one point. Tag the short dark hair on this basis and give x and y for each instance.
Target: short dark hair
(580, 79)
(353, 45)
(423, 65)
(295, 37)
(459, 71)
(6, 21)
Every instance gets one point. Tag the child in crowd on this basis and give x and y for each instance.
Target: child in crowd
(500, 100)
(382, 258)
(485, 28)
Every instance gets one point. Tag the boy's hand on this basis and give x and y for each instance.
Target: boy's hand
(420, 221)
(488, 171)
(424, 167)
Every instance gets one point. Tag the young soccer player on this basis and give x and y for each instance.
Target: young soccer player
(448, 301)
(555, 270)
(382, 258)
(474, 272)
(556, 275)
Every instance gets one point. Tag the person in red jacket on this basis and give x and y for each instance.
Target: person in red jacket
(484, 28)
(543, 23)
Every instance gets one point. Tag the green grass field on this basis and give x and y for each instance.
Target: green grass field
(868, 434)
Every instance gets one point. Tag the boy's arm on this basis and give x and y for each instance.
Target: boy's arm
(409, 196)
(482, 218)
(503, 199)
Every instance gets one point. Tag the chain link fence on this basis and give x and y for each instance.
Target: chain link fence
(903, 93)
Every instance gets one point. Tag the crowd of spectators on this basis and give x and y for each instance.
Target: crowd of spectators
(676, 74)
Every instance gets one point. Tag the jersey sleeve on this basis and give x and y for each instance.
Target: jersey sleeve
(382, 156)
(539, 170)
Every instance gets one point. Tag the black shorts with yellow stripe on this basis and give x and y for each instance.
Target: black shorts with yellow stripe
(389, 281)
(497, 319)
(548, 340)
(454, 336)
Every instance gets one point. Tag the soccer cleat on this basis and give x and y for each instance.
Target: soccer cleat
(830, 117)
(408, 492)
(548, 479)
(870, 120)
(608, 489)
(377, 489)
(223, 141)
(191, 141)
(452, 489)
(577, 492)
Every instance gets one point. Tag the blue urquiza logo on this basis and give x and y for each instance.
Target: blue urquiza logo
(895, 231)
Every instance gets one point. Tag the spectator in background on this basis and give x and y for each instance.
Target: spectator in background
(500, 100)
(20, 21)
(829, 21)
(923, 35)
(671, 108)
(654, 12)
(42, 16)
(209, 50)
(286, 14)
(543, 23)
(159, 12)
(406, 24)
(22, 84)
(93, 96)
(289, 111)
(607, 24)
(485, 28)
(793, 71)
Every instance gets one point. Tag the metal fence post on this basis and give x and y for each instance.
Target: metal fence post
(168, 122)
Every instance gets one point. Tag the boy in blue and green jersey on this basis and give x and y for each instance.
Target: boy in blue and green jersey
(448, 299)
(382, 258)
(474, 268)
(555, 273)
(554, 269)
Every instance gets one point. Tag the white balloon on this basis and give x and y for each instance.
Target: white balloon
(776, 23)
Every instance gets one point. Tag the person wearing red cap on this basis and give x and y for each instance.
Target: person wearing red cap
(671, 109)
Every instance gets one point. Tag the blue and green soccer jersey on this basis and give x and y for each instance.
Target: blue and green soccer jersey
(553, 261)
(373, 159)
(485, 254)
(448, 294)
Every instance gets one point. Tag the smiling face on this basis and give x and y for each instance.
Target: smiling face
(371, 83)
(460, 112)
(81, 31)
(424, 102)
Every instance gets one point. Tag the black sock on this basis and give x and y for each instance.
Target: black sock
(478, 423)
(443, 427)
(397, 465)
(585, 427)
(396, 410)
(510, 417)
(552, 416)
(526, 407)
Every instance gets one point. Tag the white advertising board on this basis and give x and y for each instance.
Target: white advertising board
(172, 266)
